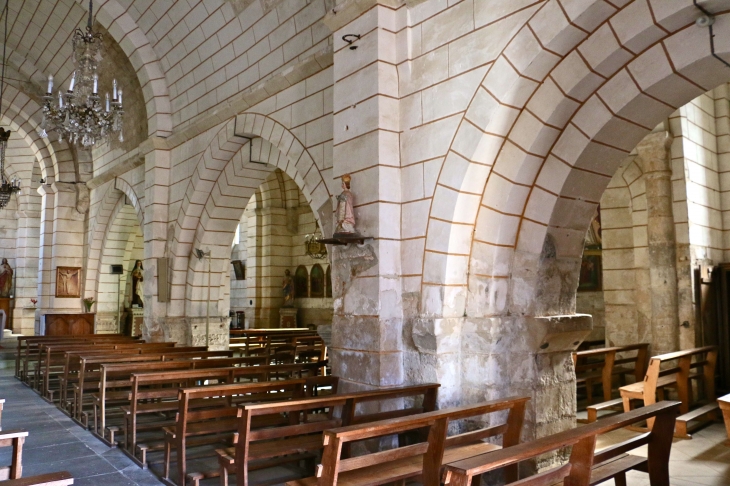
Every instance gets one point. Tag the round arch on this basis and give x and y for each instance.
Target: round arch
(585, 92)
(222, 183)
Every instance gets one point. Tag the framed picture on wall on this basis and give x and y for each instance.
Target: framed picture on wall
(68, 282)
(239, 269)
(590, 272)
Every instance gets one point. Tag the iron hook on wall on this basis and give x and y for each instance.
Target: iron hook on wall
(347, 39)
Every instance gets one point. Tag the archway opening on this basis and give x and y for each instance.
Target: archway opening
(271, 239)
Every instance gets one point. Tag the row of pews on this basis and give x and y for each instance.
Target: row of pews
(688, 375)
(193, 415)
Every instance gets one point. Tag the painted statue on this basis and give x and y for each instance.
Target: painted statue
(287, 288)
(137, 287)
(345, 211)
(6, 279)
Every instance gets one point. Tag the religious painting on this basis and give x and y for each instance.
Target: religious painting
(239, 269)
(68, 282)
(590, 272)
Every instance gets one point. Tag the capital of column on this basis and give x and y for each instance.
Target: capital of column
(654, 152)
(348, 10)
(44, 189)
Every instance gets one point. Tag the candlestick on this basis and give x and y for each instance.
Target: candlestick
(50, 83)
(60, 100)
(73, 81)
(95, 89)
(107, 102)
(120, 97)
(114, 92)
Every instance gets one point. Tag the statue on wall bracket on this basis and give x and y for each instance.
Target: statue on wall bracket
(345, 231)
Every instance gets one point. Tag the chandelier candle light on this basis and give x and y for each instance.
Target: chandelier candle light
(79, 116)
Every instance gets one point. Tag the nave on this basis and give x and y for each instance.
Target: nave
(58, 441)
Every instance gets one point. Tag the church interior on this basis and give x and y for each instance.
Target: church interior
(365, 242)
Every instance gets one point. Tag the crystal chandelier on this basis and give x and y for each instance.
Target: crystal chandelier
(79, 115)
(7, 188)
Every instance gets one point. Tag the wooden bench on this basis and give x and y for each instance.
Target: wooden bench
(197, 425)
(422, 460)
(679, 377)
(724, 403)
(600, 365)
(62, 478)
(586, 466)
(256, 451)
(53, 358)
(25, 342)
(11, 475)
(155, 393)
(89, 369)
(14, 439)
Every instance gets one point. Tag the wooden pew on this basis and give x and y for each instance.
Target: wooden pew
(196, 425)
(14, 439)
(52, 358)
(26, 341)
(62, 478)
(679, 377)
(89, 368)
(724, 403)
(31, 353)
(600, 364)
(421, 460)
(586, 466)
(11, 475)
(153, 393)
(120, 377)
(256, 452)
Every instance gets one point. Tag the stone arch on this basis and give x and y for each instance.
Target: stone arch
(221, 185)
(587, 90)
(135, 44)
(100, 221)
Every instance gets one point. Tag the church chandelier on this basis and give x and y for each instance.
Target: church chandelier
(79, 115)
(7, 187)
(313, 247)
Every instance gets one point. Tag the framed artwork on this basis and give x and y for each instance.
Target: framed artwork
(590, 272)
(239, 269)
(68, 281)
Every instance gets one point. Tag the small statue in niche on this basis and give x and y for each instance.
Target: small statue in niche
(287, 288)
(345, 211)
(6, 279)
(137, 287)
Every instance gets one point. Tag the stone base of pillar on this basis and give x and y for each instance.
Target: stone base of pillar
(478, 359)
(188, 331)
(24, 319)
(106, 323)
(288, 317)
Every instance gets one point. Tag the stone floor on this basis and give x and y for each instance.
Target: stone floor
(56, 443)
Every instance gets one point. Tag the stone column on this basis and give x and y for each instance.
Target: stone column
(367, 289)
(661, 239)
(154, 230)
(26, 271)
(45, 293)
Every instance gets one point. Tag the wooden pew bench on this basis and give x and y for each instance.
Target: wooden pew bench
(89, 371)
(421, 460)
(53, 360)
(679, 377)
(12, 474)
(724, 403)
(586, 466)
(25, 343)
(32, 354)
(154, 395)
(197, 425)
(62, 478)
(601, 366)
(256, 450)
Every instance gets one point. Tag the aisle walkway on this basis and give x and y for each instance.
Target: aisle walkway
(56, 443)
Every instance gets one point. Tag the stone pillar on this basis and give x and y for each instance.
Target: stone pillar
(61, 244)
(368, 309)
(269, 249)
(154, 230)
(26, 271)
(661, 240)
